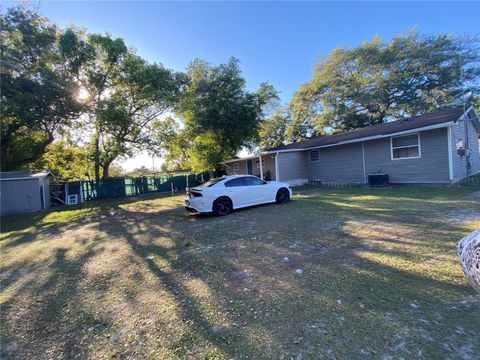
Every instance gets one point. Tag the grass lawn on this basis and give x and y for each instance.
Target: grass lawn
(336, 273)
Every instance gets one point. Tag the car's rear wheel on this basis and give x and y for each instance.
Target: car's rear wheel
(222, 206)
(283, 195)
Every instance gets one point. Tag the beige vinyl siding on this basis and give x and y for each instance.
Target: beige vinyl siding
(269, 161)
(431, 167)
(292, 166)
(342, 163)
(269, 166)
(242, 168)
(460, 162)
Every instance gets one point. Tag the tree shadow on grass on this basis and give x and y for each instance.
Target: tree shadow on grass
(50, 313)
(201, 327)
(38, 309)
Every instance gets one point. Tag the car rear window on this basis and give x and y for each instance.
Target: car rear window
(211, 182)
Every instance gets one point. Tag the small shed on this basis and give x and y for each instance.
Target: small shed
(24, 191)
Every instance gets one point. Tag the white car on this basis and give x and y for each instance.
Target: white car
(222, 195)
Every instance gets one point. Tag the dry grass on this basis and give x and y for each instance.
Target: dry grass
(336, 273)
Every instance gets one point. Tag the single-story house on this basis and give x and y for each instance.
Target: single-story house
(24, 191)
(441, 147)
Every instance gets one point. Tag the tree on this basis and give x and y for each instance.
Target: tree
(475, 102)
(124, 94)
(38, 97)
(65, 160)
(219, 114)
(272, 131)
(378, 81)
(168, 140)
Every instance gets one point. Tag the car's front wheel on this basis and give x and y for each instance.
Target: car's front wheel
(283, 195)
(222, 206)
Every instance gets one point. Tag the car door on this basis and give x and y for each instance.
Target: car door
(236, 190)
(257, 190)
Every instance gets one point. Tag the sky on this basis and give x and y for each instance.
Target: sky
(278, 42)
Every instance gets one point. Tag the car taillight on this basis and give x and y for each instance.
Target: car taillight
(195, 194)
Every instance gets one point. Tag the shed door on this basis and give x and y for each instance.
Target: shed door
(250, 167)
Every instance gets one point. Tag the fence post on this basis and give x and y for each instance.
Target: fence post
(81, 191)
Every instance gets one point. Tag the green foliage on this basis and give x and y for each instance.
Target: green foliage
(475, 102)
(219, 114)
(125, 94)
(66, 161)
(168, 140)
(272, 131)
(378, 81)
(38, 94)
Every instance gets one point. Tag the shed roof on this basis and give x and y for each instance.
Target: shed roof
(22, 175)
(416, 122)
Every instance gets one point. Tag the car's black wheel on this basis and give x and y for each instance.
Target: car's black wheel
(222, 206)
(283, 195)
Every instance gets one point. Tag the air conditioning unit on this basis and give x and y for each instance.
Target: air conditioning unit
(378, 179)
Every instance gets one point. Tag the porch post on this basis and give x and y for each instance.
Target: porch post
(261, 167)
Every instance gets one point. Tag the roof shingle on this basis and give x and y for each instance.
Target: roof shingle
(433, 118)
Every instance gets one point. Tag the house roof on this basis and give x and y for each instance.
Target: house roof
(243, 158)
(431, 119)
(22, 175)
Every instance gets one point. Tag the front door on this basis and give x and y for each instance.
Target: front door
(250, 167)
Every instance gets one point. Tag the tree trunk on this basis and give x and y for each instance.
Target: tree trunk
(105, 168)
(97, 154)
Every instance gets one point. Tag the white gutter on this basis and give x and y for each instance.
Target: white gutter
(262, 153)
(27, 178)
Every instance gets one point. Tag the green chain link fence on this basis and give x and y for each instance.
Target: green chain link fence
(123, 186)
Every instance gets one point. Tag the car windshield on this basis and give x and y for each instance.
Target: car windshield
(210, 183)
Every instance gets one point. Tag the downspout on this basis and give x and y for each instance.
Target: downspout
(467, 148)
(450, 153)
(277, 173)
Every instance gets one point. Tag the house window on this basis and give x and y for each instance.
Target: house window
(405, 147)
(258, 164)
(236, 166)
(314, 155)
